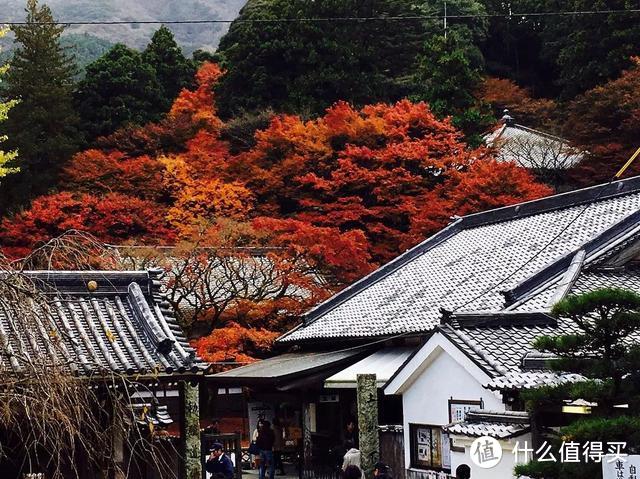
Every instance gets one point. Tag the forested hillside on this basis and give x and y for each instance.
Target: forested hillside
(332, 143)
(190, 37)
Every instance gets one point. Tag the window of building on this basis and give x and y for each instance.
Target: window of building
(458, 408)
(429, 447)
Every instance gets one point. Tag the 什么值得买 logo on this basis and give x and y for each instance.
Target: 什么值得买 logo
(486, 452)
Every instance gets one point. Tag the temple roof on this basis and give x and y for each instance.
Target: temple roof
(91, 322)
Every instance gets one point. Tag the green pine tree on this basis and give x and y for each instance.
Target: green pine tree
(119, 88)
(451, 66)
(173, 70)
(603, 348)
(304, 67)
(43, 124)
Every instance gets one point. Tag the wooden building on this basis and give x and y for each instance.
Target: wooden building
(447, 326)
(113, 330)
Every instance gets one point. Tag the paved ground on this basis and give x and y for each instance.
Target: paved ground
(253, 473)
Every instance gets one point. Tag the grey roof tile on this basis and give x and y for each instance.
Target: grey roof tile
(123, 326)
(466, 260)
(499, 425)
(516, 380)
(531, 148)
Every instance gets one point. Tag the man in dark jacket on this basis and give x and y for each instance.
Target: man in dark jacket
(218, 462)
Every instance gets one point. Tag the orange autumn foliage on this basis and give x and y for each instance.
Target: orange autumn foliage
(94, 171)
(198, 105)
(506, 94)
(198, 199)
(374, 170)
(235, 343)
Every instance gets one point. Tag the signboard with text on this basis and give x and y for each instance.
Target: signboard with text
(627, 467)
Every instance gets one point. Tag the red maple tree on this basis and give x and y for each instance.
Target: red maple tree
(327, 199)
(605, 122)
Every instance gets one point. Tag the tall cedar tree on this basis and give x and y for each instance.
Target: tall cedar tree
(119, 88)
(173, 70)
(588, 50)
(599, 348)
(450, 68)
(6, 157)
(43, 125)
(304, 67)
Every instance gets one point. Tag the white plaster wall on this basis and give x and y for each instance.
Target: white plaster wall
(425, 401)
(503, 470)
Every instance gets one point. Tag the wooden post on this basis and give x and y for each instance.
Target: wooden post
(190, 396)
(368, 422)
(118, 441)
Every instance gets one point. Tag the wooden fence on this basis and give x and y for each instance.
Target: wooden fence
(392, 449)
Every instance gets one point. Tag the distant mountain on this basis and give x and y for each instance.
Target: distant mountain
(93, 39)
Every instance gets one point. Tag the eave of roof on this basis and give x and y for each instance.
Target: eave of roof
(496, 424)
(517, 381)
(561, 201)
(286, 368)
(121, 324)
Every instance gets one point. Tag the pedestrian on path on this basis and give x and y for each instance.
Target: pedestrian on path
(351, 458)
(265, 441)
(218, 462)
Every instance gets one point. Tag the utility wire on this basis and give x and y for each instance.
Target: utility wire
(408, 18)
(552, 240)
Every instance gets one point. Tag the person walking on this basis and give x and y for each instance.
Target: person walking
(254, 450)
(278, 445)
(352, 472)
(218, 463)
(351, 458)
(463, 472)
(351, 434)
(265, 441)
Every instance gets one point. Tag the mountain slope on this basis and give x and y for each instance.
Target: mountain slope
(190, 37)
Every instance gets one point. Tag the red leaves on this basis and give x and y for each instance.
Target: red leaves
(502, 93)
(342, 255)
(95, 171)
(235, 343)
(113, 218)
(375, 171)
(605, 122)
(327, 198)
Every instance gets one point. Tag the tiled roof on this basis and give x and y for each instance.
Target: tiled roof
(461, 265)
(591, 280)
(499, 425)
(501, 350)
(516, 380)
(532, 148)
(149, 413)
(124, 325)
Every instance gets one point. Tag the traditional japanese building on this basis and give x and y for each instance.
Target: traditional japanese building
(114, 330)
(530, 148)
(447, 326)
